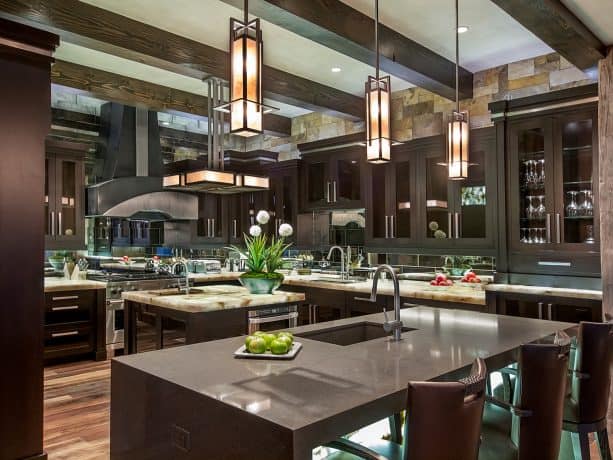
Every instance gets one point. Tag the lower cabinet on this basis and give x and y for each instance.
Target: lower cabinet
(545, 307)
(75, 324)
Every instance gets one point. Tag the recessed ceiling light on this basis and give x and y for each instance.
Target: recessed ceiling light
(165, 123)
(462, 29)
(335, 69)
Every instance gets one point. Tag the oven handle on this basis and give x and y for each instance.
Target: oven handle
(113, 302)
(272, 319)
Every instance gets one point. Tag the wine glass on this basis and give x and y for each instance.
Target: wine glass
(571, 208)
(541, 178)
(540, 210)
(588, 204)
(523, 238)
(530, 210)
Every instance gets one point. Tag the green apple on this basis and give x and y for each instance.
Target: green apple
(268, 338)
(284, 338)
(286, 334)
(257, 345)
(279, 347)
(248, 340)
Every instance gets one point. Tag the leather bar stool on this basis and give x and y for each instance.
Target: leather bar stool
(585, 408)
(443, 423)
(530, 428)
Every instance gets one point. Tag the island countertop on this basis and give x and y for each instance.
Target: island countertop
(210, 298)
(62, 284)
(287, 408)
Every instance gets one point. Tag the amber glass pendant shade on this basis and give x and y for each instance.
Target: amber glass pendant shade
(378, 138)
(457, 146)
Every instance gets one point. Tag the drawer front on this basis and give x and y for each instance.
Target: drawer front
(68, 339)
(69, 306)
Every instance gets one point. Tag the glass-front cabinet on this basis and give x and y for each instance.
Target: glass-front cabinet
(63, 200)
(552, 172)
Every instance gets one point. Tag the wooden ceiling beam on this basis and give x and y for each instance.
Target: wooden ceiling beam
(96, 28)
(559, 28)
(129, 91)
(336, 25)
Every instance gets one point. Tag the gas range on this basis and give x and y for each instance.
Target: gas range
(118, 282)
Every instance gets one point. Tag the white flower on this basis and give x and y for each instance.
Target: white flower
(255, 230)
(285, 230)
(262, 217)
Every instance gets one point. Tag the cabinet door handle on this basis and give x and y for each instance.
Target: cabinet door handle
(59, 223)
(387, 228)
(65, 297)
(548, 227)
(392, 226)
(328, 192)
(52, 223)
(540, 310)
(558, 231)
(550, 312)
(68, 307)
(234, 228)
(212, 228)
(334, 191)
(449, 226)
(64, 334)
(457, 225)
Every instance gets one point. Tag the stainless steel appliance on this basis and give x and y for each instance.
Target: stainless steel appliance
(118, 282)
(271, 319)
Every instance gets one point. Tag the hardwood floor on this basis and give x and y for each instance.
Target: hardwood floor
(77, 401)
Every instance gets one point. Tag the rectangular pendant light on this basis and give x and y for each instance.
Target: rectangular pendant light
(378, 136)
(457, 145)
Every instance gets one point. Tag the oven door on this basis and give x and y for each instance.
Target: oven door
(114, 323)
(272, 319)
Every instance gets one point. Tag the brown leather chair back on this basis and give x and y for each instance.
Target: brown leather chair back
(592, 383)
(541, 388)
(444, 418)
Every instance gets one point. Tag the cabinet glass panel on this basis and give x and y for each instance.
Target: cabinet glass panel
(348, 185)
(532, 195)
(577, 181)
(403, 200)
(316, 182)
(67, 219)
(378, 210)
(437, 198)
(473, 198)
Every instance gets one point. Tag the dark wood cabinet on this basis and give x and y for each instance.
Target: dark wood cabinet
(75, 324)
(64, 207)
(334, 178)
(552, 162)
(212, 225)
(283, 196)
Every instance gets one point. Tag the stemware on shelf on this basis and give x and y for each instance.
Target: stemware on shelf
(540, 209)
(571, 209)
(530, 210)
(587, 206)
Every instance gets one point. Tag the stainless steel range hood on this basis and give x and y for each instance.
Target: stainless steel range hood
(131, 186)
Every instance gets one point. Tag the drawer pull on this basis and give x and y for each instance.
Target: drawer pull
(66, 297)
(68, 307)
(64, 334)
(553, 264)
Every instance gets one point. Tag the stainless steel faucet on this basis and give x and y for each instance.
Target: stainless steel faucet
(182, 287)
(389, 326)
(342, 259)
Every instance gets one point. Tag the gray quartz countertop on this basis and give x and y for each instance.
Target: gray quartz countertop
(546, 291)
(326, 383)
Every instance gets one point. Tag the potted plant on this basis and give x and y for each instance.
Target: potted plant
(263, 259)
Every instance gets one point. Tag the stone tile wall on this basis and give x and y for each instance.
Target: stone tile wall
(419, 113)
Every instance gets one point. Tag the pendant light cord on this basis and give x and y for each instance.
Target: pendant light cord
(246, 11)
(376, 39)
(457, 56)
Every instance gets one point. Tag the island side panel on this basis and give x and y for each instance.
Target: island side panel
(155, 419)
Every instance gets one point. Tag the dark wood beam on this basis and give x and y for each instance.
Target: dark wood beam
(129, 91)
(75, 120)
(187, 139)
(336, 25)
(82, 24)
(557, 26)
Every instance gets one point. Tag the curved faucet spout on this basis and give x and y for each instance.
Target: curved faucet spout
(390, 326)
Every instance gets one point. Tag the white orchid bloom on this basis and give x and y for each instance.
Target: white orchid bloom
(285, 230)
(255, 230)
(262, 217)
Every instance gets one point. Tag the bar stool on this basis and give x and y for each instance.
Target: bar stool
(530, 428)
(585, 408)
(443, 422)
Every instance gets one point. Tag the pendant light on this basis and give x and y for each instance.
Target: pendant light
(378, 92)
(458, 127)
(246, 54)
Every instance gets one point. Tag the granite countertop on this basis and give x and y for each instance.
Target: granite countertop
(546, 291)
(62, 284)
(212, 277)
(327, 387)
(211, 298)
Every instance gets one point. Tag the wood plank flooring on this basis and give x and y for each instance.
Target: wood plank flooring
(77, 403)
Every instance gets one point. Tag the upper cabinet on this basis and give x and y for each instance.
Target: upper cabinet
(332, 173)
(211, 226)
(413, 204)
(283, 196)
(552, 164)
(64, 195)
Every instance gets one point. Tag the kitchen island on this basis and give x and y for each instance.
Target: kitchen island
(208, 312)
(198, 402)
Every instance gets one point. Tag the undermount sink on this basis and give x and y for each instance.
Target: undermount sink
(349, 334)
(339, 280)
